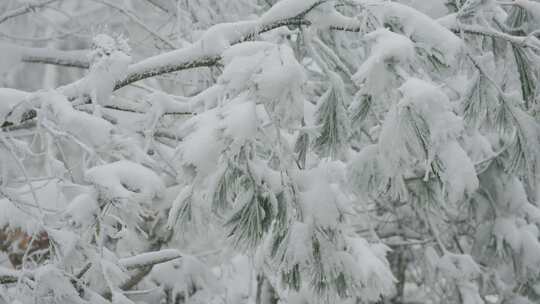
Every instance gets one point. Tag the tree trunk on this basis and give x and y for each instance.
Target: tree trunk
(265, 292)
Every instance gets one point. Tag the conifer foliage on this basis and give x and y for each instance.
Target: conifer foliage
(269, 152)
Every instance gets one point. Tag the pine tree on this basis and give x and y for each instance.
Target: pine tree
(291, 151)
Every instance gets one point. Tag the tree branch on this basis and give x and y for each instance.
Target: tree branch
(190, 57)
(520, 41)
(150, 258)
(201, 53)
(194, 55)
(134, 75)
(75, 59)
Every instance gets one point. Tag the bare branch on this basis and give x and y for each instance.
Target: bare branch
(24, 9)
(162, 7)
(75, 59)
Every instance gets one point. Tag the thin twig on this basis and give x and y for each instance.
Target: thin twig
(138, 21)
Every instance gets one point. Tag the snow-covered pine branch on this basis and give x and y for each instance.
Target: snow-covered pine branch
(330, 151)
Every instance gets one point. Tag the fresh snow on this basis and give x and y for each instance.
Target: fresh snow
(126, 180)
(10, 99)
(420, 28)
(388, 48)
(59, 110)
(532, 7)
(287, 9)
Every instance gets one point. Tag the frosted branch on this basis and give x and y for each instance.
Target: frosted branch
(150, 258)
(520, 41)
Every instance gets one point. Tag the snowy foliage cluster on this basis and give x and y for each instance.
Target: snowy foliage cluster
(269, 151)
